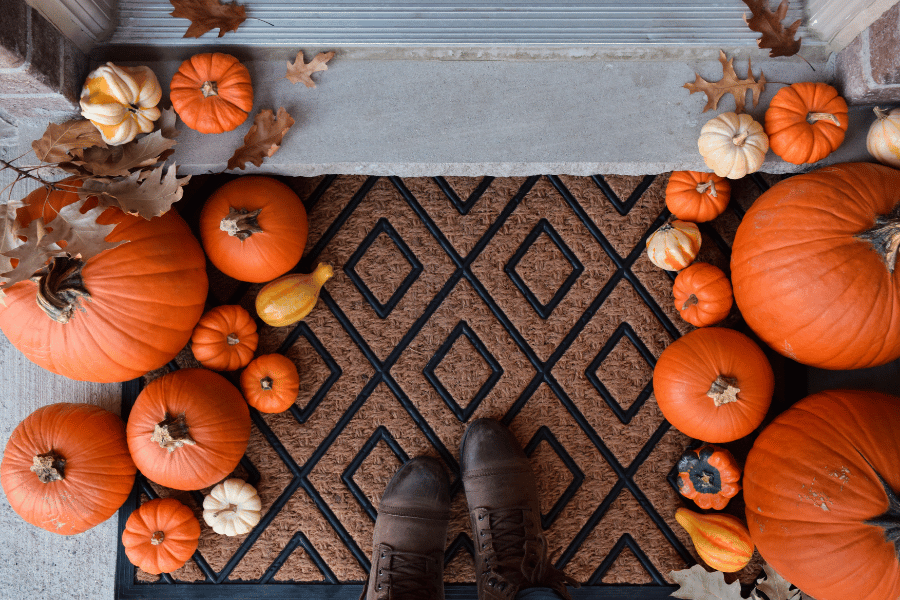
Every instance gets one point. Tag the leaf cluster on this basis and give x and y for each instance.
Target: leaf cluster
(697, 583)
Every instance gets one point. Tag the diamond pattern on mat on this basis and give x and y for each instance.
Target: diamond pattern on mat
(559, 476)
(468, 366)
(372, 469)
(629, 563)
(463, 192)
(318, 370)
(627, 362)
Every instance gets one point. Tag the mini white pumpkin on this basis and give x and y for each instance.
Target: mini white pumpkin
(674, 245)
(733, 145)
(883, 139)
(232, 507)
(121, 101)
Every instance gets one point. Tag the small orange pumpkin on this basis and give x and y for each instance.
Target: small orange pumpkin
(697, 197)
(161, 535)
(188, 429)
(674, 245)
(270, 383)
(703, 294)
(709, 476)
(254, 228)
(225, 338)
(806, 122)
(212, 92)
(713, 384)
(66, 467)
(722, 541)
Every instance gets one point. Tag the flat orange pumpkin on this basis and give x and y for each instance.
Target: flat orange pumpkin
(212, 92)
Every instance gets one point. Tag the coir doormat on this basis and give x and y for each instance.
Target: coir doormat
(529, 300)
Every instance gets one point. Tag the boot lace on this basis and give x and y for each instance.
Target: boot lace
(405, 576)
(514, 553)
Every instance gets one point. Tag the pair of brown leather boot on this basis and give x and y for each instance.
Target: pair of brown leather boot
(510, 547)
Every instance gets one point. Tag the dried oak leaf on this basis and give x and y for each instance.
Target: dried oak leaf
(699, 584)
(84, 237)
(60, 139)
(729, 84)
(144, 193)
(301, 72)
(263, 139)
(775, 37)
(39, 247)
(119, 161)
(774, 586)
(166, 123)
(206, 15)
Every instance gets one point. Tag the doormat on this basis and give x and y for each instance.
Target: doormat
(528, 300)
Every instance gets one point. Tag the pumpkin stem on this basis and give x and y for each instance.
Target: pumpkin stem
(890, 520)
(157, 538)
(724, 390)
(813, 117)
(60, 288)
(266, 383)
(172, 433)
(880, 114)
(241, 223)
(691, 301)
(884, 236)
(48, 466)
(233, 339)
(230, 508)
(209, 88)
(708, 185)
(740, 138)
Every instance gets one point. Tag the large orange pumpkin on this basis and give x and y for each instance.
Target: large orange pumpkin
(188, 429)
(212, 92)
(161, 535)
(713, 384)
(254, 228)
(121, 313)
(66, 467)
(821, 485)
(806, 122)
(812, 266)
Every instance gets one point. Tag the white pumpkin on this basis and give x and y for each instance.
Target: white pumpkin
(232, 507)
(733, 145)
(883, 139)
(121, 101)
(674, 245)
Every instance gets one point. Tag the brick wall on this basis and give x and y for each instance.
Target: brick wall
(41, 72)
(869, 68)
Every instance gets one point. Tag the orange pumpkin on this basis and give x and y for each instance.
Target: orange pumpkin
(188, 429)
(822, 491)
(66, 467)
(697, 197)
(117, 315)
(713, 384)
(254, 228)
(225, 338)
(212, 92)
(806, 122)
(270, 383)
(812, 266)
(722, 541)
(702, 294)
(161, 535)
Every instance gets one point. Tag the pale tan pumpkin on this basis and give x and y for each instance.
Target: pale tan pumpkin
(883, 139)
(733, 145)
(674, 245)
(121, 101)
(232, 507)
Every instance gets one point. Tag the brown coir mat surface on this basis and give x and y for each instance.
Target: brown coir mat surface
(440, 312)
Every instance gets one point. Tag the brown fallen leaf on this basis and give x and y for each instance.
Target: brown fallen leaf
(774, 586)
(206, 15)
(775, 37)
(699, 584)
(144, 193)
(263, 139)
(60, 139)
(300, 72)
(119, 161)
(729, 84)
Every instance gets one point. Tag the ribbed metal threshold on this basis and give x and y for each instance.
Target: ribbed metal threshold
(458, 22)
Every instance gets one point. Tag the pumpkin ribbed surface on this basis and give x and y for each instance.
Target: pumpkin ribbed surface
(674, 245)
(806, 122)
(212, 92)
(225, 338)
(145, 298)
(90, 455)
(697, 197)
(270, 383)
(702, 294)
(121, 101)
(161, 535)
(721, 540)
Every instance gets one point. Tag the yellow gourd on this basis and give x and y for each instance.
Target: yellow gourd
(121, 101)
(290, 298)
(722, 541)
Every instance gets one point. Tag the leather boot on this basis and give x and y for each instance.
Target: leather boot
(510, 547)
(410, 534)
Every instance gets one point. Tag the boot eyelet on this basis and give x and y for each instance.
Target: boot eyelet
(481, 517)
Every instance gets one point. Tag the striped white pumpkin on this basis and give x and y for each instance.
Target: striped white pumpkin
(121, 101)
(883, 139)
(674, 245)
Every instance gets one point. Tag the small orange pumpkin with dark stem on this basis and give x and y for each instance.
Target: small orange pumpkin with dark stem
(225, 338)
(212, 93)
(697, 197)
(702, 294)
(161, 536)
(270, 383)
